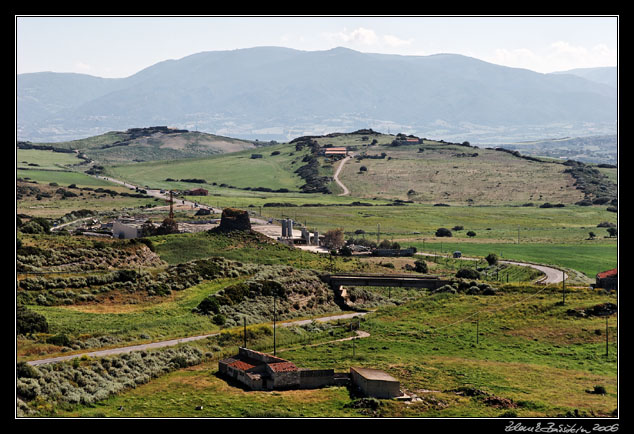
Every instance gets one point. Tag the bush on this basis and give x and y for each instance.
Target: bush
(421, 266)
(219, 319)
(28, 321)
(492, 259)
(443, 232)
(468, 273)
(60, 340)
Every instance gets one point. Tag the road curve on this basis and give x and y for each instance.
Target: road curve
(552, 275)
(172, 342)
(336, 176)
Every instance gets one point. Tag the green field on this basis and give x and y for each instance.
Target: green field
(529, 352)
(237, 169)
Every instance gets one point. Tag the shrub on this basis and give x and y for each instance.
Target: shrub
(60, 340)
(421, 266)
(24, 370)
(219, 319)
(443, 232)
(492, 258)
(28, 321)
(468, 273)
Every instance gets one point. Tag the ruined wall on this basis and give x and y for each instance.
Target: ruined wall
(316, 378)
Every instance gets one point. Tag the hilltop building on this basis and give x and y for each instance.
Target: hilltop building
(331, 152)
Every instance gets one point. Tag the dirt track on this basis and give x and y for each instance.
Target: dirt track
(336, 176)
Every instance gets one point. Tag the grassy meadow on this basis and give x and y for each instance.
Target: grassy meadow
(530, 359)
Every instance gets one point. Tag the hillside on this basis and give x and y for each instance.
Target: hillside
(146, 144)
(274, 93)
(383, 168)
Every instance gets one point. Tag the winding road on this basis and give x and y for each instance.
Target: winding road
(172, 342)
(336, 176)
(552, 275)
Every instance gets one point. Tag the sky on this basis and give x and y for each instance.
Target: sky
(120, 46)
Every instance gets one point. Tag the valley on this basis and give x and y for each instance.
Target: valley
(81, 290)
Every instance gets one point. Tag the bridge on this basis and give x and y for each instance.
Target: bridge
(336, 281)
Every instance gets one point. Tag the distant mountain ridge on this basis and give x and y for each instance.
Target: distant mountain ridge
(274, 93)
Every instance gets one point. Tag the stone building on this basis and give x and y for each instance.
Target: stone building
(260, 371)
(607, 279)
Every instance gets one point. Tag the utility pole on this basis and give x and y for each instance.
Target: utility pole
(378, 232)
(477, 329)
(563, 289)
(606, 337)
(274, 319)
(245, 331)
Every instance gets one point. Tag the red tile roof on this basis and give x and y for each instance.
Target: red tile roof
(283, 367)
(609, 273)
(243, 366)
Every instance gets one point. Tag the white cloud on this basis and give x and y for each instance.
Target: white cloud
(362, 36)
(558, 56)
(394, 41)
(82, 66)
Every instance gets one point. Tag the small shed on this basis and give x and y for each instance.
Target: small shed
(607, 279)
(375, 383)
(198, 192)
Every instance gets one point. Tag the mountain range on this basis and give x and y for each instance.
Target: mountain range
(274, 93)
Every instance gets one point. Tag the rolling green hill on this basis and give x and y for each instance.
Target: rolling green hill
(147, 144)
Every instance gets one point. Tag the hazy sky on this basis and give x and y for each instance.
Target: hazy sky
(120, 46)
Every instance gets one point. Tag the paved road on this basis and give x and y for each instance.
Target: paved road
(552, 275)
(172, 342)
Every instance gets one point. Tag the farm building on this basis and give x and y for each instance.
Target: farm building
(375, 383)
(260, 371)
(197, 192)
(330, 152)
(607, 279)
(126, 228)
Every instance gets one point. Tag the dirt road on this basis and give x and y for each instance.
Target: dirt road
(336, 176)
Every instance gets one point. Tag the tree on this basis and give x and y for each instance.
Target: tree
(385, 244)
(443, 232)
(612, 231)
(421, 266)
(333, 239)
(471, 234)
(169, 226)
(592, 235)
(492, 258)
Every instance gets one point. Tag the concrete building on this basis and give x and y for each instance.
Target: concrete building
(126, 229)
(375, 383)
